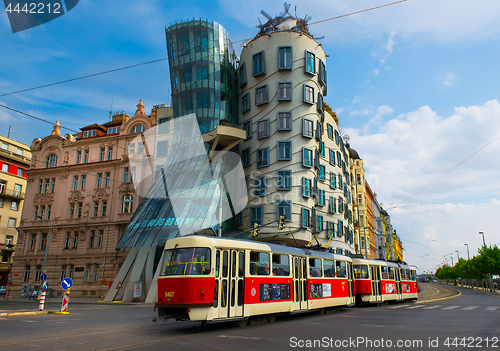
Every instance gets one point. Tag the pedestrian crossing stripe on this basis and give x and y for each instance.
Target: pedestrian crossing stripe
(450, 307)
(432, 307)
(470, 308)
(491, 308)
(400, 306)
(413, 307)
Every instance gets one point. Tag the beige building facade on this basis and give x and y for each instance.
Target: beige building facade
(15, 159)
(79, 199)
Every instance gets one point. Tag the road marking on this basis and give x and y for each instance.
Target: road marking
(238, 337)
(432, 307)
(450, 307)
(413, 307)
(470, 308)
(491, 308)
(400, 306)
(383, 326)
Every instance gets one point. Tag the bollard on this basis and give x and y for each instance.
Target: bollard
(64, 307)
(42, 301)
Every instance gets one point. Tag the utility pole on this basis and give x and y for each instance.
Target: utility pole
(468, 256)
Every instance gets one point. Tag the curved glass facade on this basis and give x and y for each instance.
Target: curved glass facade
(202, 72)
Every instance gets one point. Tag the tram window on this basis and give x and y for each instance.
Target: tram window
(233, 288)
(341, 269)
(413, 276)
(403, 274)
(216, 293)
(224, 264)
(241, 292)
(385, 274)
(329, 266)
(391, 272)
(361, 271)
(408, 274)
(259, 263)
(315, 269)
(296, 266)
(233, 269)
(224, 294)
(281, 265)
(217, 263)
(241, 265)
(186, 261)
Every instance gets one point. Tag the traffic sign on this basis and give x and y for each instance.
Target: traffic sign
(43, 276)
(119, 285)
(67, 283)
(45, 286)
(44, 271)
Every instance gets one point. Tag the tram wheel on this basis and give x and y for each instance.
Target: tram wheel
(322, 311)
(242, 322)
(203, 323)
(271, 318)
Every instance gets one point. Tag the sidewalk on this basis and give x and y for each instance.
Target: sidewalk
(75, 300)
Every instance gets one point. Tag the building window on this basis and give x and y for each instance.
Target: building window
(131, 148)
(285, 58)
(5, 146)
(319, 223)
(38, 272)
(113, 130)
(243, 75)
(330, 229)
(5, 167)
(310, 65)
(284, 208)
(260, 184)
(78, 157)
(86, 156)
(98, 180)
(127, 203)
(75, 240)
(161, 148)
(67, 241)
(71, 210)
(139, 128)
(308, 94)
(306, 187)
(52, 184)
(107, 177)
(36, 209)
(101, 154)
(110, 153)
(32, 241)
(332, 157)
(71, 270)
(263, 128)
(96, 208)
(284, 180)
(340, 181)
(256, 214)
(307, 128)
(42, 212)
(321, 172)
(46, 185)
(246, 157)
(88, 272)
(284, 91)
(319, 104)
(340, 226)
(330, 131)
(82, 181)
(203, 100)
(40, 186)
(49, 207)
(63, 272)
(132, 174)
(51, 161)
(96, 272)
(341, 205)
(43, 242)
(245, 103)
(284, 150)
(321, 198)
(284, 120)
(247, 127)
(104, 205)
(79, 209)
(360, 199)
(20, 172)
(26, 276)
(14, 206)
(322, 73)
(258, 64)
(90, 133)
(339, 158)
(125, 175)
(321, 148)
(11, 223)
(100, 238)
(263, 157)
(305, 220)
(164, 125)
(307, 157)
(261, 95)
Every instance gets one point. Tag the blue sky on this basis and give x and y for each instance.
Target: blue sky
(415, 86)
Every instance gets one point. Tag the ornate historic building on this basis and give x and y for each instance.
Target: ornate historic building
(80, 197)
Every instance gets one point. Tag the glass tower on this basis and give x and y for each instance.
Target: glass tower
(202, 72)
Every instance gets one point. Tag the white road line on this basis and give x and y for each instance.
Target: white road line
(450, 307)
(238, 337)
(470, 308)
(432, 307)
(383, 326)
(491, 308)
(413, 307)
(400, 306)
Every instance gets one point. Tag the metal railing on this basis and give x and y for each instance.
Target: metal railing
(12, 193)
(15, 155)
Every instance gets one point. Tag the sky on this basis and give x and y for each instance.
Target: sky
(415, 86)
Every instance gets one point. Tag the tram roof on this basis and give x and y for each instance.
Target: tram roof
(201, 240)
(380, 263)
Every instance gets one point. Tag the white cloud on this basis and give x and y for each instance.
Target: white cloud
(449, 79)
(357, 99)
(407, 155)
(339, 110)
(376, 71)
(364, 112)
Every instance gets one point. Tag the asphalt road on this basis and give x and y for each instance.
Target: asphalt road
(472, 315)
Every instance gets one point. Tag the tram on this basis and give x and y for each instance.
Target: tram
(381, 281)
(211, 279)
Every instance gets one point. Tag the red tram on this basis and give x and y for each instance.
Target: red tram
(381, 281)
(212, 279)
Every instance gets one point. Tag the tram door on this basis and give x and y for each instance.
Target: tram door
(398, 283)
(375, 283)
(350, 275)
(229, 283)
(299, 283)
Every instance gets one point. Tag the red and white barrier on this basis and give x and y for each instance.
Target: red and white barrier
(64, 307)
(42, 301)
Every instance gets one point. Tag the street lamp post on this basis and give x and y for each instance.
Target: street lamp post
(484, 242)
(458, 257)
(489, 274)
(468, 256)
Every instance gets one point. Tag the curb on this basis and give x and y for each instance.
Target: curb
(27, 313)
(442, 298)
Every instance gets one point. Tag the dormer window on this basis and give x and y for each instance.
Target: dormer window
(114, 130)
(138, 129)
(90, 133)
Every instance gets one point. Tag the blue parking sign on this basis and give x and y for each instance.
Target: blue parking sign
(67, 283)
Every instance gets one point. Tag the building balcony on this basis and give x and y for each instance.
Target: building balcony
(12, 194)
(14, 156)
